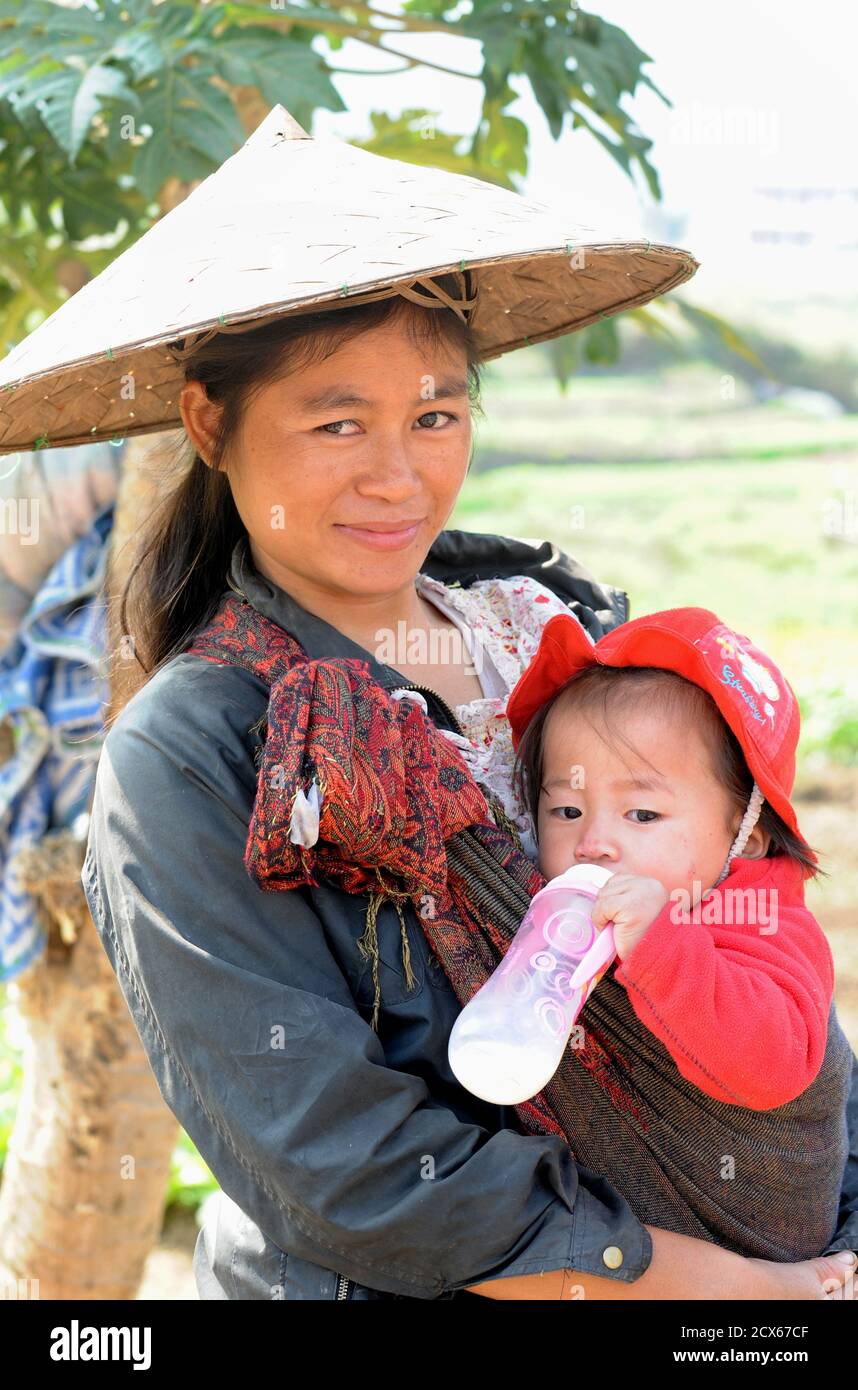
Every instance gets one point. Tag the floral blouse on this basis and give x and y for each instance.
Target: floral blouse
(501, 621)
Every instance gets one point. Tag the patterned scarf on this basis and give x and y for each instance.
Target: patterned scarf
(361, 789)
(395, 797)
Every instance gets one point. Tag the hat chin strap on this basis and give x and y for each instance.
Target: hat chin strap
(437, 298)
(433, 297)
(749, 820)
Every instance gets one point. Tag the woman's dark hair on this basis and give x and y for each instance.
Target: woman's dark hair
(180, 568)
(600, 688)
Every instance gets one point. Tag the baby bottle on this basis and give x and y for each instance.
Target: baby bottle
(507, 1042)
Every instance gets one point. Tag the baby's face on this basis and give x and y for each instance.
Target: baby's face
(603, 804)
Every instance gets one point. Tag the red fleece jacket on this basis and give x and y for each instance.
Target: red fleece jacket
(742, 1009)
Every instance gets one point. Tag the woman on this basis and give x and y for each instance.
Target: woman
(300, 583)
(369, 1171)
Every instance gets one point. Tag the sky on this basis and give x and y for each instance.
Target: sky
(757, 156)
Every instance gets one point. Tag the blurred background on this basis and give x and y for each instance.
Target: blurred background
(700, 451)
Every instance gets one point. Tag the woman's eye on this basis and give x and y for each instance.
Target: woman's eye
(332, 427)
(438, 414)
(650, 815)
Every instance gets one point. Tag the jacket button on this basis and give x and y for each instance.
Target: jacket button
(613, 1256)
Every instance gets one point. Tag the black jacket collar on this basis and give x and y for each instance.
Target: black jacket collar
(318, 638)
(463, 556)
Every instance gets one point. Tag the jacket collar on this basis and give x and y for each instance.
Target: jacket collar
(318, 638)
(462, 556)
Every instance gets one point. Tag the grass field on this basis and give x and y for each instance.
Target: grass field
(745, 539)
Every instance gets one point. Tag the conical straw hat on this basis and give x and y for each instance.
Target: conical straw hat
(292, 223)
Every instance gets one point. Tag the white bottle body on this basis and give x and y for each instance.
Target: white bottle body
(508, 1040)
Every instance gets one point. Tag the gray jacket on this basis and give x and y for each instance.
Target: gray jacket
(352, 1164)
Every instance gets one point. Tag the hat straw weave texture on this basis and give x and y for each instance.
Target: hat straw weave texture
(289, 224)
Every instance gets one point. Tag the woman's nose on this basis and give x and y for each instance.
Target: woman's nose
(392, 475)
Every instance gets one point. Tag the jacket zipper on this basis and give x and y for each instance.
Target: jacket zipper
(342, 1286)
(426, 690)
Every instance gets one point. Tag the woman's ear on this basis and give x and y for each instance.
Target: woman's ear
(199, 416)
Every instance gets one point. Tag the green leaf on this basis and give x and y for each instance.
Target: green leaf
(502, 52)
(67, 99)
(564, 355)
(141, 51)
(652, 325)
(195, 127)
(175, 20)
(138, 11)
(624, 150)
(83, 25)
(501, 141)
(602, 341)
(69, 125)
(91, 207)
(402, 137)
(29, 50)
(549, 81)
(577, 64)
(283, 70)
(607, 58)
(711, 324)
(306, 14)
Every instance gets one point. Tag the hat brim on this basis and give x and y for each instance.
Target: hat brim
(293, 224)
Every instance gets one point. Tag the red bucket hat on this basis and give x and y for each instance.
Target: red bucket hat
(754, 697)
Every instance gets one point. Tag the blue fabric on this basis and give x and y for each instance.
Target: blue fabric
(53, 692)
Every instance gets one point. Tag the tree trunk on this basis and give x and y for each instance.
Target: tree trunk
(82, 1199)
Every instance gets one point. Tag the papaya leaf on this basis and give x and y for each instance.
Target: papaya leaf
(141, 52)
(283, 69)
(194, 128)
(78, 98)
(652, 325)
(711, 325)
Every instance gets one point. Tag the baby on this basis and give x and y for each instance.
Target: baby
(665, 752)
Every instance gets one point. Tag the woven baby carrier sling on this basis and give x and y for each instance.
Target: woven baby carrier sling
(403, 822)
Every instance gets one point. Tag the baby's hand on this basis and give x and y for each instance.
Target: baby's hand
(630, 903)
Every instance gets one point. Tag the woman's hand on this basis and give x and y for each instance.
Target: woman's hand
(791, 1281)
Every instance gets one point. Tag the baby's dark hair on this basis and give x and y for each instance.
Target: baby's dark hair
(604, 688)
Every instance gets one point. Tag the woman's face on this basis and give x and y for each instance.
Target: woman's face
(345, 472)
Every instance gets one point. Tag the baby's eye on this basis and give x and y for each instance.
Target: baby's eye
(650, 815)
(566, 812)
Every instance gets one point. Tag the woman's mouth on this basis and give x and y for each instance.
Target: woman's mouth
(383, 535)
